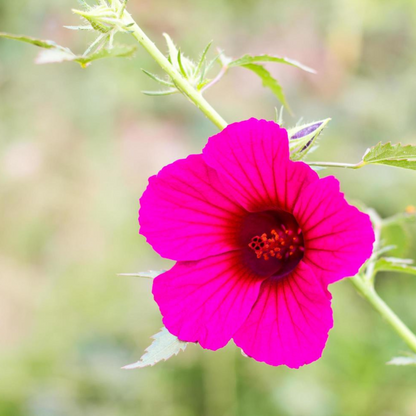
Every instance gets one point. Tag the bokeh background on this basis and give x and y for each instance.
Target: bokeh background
(76, 149)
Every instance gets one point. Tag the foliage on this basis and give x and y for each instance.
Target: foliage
(252, 63)
(55, 53)
(396, 155)
(164, 346)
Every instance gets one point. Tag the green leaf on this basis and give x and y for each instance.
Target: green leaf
(118, 51)
(410, 360)
(248, 59)
(54, 53)
(396, 155)
(150, 274)
(269, 82)
(160, 93)
(202, 59)
(173, 51)
(303, 138)
(164, 346)
(57, 56)
(181, 67)
(157, 79)
(47, 44)
(178, 60)
(392, 264)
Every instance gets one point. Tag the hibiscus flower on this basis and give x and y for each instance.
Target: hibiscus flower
(257, 239)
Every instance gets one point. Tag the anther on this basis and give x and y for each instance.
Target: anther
(280, 246)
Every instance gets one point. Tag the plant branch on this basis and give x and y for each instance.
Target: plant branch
(182, 84)
(337, 165)
(216, 79)
(368, 292)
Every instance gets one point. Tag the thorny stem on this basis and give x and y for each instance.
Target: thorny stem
(185, 87)
(364, 285)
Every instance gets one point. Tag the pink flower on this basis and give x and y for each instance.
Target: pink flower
(257, 239)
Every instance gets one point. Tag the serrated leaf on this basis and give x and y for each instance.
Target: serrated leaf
(248, 59)
(410, 360)
(303, 138)
(57, 55)
(47, 44)
(118, 51)
(392, 154)
(164, 346)
(54, 53)
(391, 264)
(150, 274)
(269, 82)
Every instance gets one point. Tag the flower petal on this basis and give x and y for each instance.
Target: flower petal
(252, 159)
(207, 301)
(186, 213)
(290, 321)
(338, 237)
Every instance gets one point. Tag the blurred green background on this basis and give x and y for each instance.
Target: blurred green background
(76, 149)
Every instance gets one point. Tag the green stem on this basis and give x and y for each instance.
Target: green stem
(194, 95)
(368, 292)
(337, 165)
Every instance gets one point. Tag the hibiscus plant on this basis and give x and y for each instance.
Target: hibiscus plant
(257, 235)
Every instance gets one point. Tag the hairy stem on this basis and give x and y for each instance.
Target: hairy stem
(184, 86)
(368, 292)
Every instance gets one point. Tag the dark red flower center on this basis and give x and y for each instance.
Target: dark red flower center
(274, 242)
(282, 244)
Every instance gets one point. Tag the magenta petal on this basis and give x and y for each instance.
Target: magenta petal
(206, 301)
(252, 158)
(338, 237)
(186, 213)
(290, 321)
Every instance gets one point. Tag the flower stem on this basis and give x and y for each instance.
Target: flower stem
(338, 165)
(367, 291)
(182, 84)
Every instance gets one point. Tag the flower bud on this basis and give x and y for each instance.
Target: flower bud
(302, 138)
